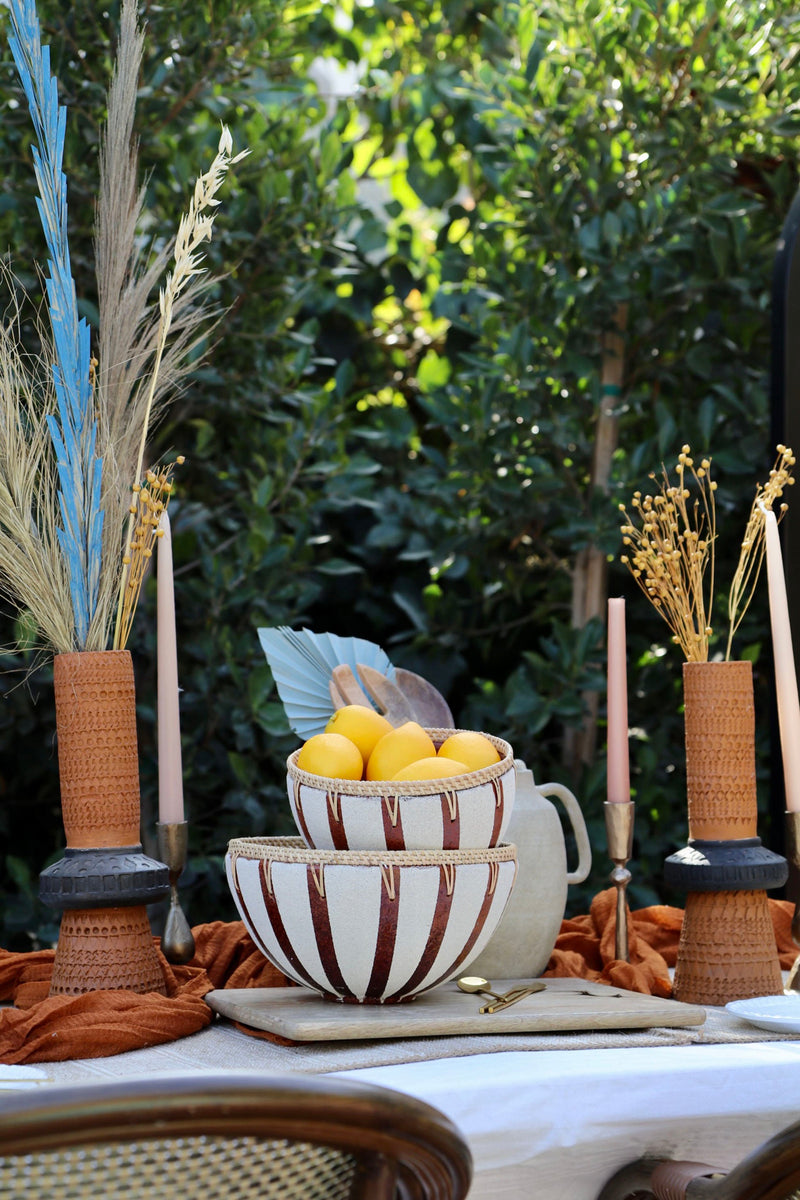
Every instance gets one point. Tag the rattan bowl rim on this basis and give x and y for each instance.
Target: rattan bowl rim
(294, 850)
(378, 789)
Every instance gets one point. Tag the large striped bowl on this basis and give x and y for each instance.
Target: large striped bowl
(469, 811)
(368, 928)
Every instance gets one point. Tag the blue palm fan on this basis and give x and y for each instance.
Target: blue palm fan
(74, 430)
(301, 663)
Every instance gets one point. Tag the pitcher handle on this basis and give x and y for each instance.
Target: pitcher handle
(578, 828)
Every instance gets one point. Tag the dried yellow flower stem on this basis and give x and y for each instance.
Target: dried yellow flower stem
(671, 553)
(149, 502)
(752, 552)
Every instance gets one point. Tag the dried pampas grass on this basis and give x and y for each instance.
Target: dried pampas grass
(33, 575)
(196, 227)
(73, 438)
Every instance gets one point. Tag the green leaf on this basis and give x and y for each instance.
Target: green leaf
(338, 566)
(706, 419)
(330, 153)
(433, 371)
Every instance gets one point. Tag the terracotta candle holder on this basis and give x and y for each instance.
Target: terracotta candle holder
(104, 881)
(727, 947)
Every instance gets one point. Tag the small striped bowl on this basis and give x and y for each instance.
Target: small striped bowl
(368, 927)
(468, 811)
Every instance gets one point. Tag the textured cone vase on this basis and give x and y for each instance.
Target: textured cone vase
(104, 881)
(727, 947)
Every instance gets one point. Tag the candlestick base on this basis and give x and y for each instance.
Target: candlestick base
(619, 831)
(177, 942)
(793, 890)
(727, 946)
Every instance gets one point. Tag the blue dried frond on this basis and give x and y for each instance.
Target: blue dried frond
(74, 431)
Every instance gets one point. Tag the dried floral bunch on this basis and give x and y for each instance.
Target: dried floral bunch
(149, 502)
(671, 539)
(74, 428)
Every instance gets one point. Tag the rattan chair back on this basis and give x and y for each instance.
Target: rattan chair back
(228, 1138)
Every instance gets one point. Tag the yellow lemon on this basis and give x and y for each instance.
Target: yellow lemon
(397, 749)
(431, 768)
(361, 725)
(471, 748)
(331, 755)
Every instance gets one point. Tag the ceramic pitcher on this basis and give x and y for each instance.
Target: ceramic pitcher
(527, 933)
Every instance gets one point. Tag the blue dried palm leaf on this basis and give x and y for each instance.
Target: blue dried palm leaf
(73, 430)
(301, 663)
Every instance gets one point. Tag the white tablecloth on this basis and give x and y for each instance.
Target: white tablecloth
(555, 1125)
(549, 1124)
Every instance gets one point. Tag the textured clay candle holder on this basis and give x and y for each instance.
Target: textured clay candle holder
(727, 947)
(104, 882)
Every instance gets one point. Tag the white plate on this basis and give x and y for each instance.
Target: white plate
(778, 1013)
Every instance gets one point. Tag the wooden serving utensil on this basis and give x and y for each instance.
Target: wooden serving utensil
(345, 688)
(424, 698)
(407, 697)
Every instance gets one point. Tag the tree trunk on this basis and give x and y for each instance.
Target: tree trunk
(590, 571)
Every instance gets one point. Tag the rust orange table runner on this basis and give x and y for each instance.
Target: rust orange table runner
(41, 1028)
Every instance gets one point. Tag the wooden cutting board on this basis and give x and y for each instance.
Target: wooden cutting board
(564, 1005)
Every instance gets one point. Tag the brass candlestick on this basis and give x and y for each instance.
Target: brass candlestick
(792, 828)
(177, 942)
(619, 831)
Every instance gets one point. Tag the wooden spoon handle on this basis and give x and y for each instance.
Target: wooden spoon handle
(388, 697)
(348, 687)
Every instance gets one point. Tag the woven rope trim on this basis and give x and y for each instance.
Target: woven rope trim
(295, 850)
(214, 1167)
(377, 789)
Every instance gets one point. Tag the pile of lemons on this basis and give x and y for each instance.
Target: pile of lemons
(359, 743)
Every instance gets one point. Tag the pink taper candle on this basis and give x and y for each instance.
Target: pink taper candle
(783, 657)
(170, 772)
(618, 768)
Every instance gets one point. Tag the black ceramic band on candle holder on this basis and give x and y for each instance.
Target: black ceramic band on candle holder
(177, 942)
(619, 830)
(792, 828)
(738, 865)
(103, 877)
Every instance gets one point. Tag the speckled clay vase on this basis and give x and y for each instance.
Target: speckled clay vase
(468, 811)
(365, 927)
(101, 945)
(727, 947)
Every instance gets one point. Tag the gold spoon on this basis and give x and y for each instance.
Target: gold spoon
(474, 984)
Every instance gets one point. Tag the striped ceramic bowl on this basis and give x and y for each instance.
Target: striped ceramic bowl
(463, 812)
(368, 927)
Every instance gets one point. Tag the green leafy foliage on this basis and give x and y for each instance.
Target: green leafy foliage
(394, 432)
